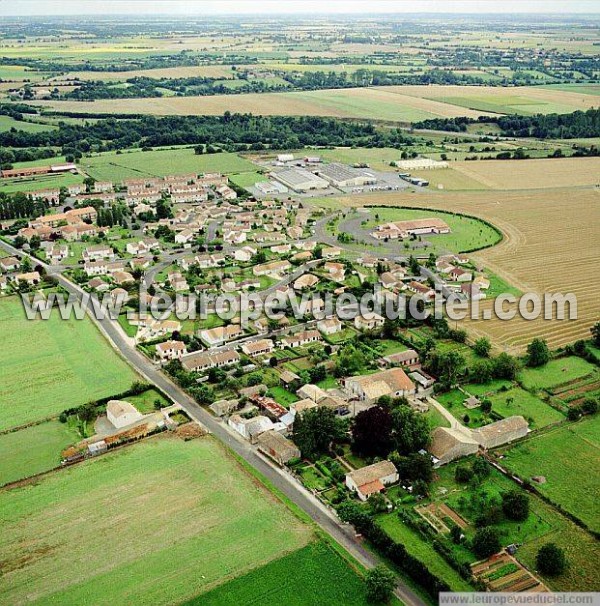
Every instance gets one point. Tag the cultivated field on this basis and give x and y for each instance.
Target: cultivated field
(531, 174)
(393, 103)
(158, 163)
(374, 103)
(560, 456)
(51, 365)
(555, 255)
(156, 523)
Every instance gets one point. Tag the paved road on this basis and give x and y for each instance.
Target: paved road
(280, 479)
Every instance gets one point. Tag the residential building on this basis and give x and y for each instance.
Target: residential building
(369, 388)
(277, 447)
(121, 413)
(372, 479)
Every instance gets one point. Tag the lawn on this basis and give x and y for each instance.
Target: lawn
(51, 365)
(466, 233)
(566, 454)
(517, 401)
(315, 574)
(33, 450)
(116, 167)
(157, 523)
(248, 179)
(282, 396)
(555, 373)
(39, 182)
(421, 549)
(498, 287)
(144, 402)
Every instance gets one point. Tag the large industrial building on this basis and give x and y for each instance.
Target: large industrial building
(420, 164)
(343, 176)
(300, 180)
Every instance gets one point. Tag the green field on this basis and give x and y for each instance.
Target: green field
(33, 450)
(6, 123)
(563, 455)
(51, 365)
(466, 233)
(156, 523)
(248, 179)
(506, 103)
(41, 182)
(517, 401)
(544, 525)
(555, 373)
(158, 163)
(314, 574)
(421, 549)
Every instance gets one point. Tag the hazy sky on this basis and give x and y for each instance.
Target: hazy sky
(306, 7)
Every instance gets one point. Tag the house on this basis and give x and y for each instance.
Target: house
(57, 253)
(272, 268)
(221, 334)
(471, 291)
(160, 328)
(301, 338)
(303, 405)
(289, 379)
(261, 347)
(31, 278)
(329, 326)
(372, 479)
(277, 447)
(244, 254)
(98, 253)
(122, 277)
(482, 282)
(96, 268)
(421, 289)
(119, 296)
(388, 280)
(121, 413)
(171, 350)
(457, 274)
(250, 428)
(98, 285)
(331, 252)
(369, 388)
(311, 392)
(199, 361)
(9, 264)
(408, 358)
(306, 281)
(370, 321)
(224, 407)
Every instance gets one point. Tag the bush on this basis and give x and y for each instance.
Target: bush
(486, 542)
(515, 505)
(550, 560)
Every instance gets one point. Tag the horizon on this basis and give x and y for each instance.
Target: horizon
(175, 8)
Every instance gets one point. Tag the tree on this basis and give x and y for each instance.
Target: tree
(447, 366)
(481, 371)
(410, 430)
(486, 406)
(315, 430)
(463, 474)
(506, 367)
(515, 505)
(551, 560)
(486, 542)
(482, 347)
(538, 353)
(480, 468)
(372, 432)
(595, 330)
(380, 583)
(414, 467)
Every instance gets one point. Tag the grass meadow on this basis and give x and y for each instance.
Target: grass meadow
(314, 574)
(562, 455)
(156, 523)
(158, 163)
(33, 450)
(51, 365)
(555, 373)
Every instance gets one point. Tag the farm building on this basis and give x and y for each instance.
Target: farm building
(408, 358)
(420, 164)
(369, 388)
(371, 479)
(276, 446)
(342, 176)
(501, 432)
(300, 180)
(121, 413)
(448, 444)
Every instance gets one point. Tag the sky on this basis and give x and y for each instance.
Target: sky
(302, 7)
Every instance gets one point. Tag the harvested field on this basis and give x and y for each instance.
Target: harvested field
(532, 174)
(556, 254)
(375, 103)
(156, 523)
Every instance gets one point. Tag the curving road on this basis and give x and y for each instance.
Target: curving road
(280, 479)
